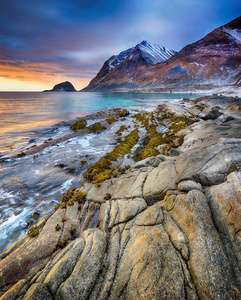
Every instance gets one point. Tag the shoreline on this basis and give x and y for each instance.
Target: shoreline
(92, 116)
(212, 122)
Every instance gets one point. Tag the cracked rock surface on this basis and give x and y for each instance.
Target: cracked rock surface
(169, 230)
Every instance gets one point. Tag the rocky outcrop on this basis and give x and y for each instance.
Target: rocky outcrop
(169, 228)
(63, 87)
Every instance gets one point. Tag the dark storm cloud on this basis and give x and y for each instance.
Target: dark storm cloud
(78, 36)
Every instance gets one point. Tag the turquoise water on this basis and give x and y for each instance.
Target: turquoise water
(22, 113)
(23, 107)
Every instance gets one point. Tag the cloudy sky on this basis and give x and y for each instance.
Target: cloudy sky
(44, 42)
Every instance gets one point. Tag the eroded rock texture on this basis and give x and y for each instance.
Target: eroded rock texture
(167, 230)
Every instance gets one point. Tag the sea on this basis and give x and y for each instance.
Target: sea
(35, 183)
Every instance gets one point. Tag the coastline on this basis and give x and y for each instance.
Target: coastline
(102, 214)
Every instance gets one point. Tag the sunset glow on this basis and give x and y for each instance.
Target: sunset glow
(26, 76)
(33, 83)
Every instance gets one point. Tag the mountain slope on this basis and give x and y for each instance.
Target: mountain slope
(143, 54)
(213, 61)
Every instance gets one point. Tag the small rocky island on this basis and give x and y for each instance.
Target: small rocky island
(63, 87)
(165, 227)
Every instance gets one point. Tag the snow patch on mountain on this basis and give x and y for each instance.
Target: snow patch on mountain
(153, 53)
(115, 60)
(235, 33)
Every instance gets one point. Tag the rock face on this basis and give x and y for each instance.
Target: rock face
(63, 87)
(117, 66)
(170, 229)
(213, 61)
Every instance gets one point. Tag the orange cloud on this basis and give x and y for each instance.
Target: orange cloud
(20, 75)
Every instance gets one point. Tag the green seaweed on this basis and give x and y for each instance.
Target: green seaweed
(98, 178)
(33, 231)
(78, 196)
(100, 166)
(121, 130)
(111, 120)
(28, 224)
(70, 197)
(96, 127)
(35, 215)
(80, 124)
(153, 138)
(60, 205)
(101, 170)
(21, 154)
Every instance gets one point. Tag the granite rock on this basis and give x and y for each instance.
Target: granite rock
(168, 231)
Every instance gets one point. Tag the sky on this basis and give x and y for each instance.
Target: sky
(45, 42)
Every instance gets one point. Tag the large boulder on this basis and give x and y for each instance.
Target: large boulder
(159, 181)
(210, 165)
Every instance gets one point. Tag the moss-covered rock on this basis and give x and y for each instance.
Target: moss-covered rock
(111, 120)
(96, 127)
(101, 170)
(35, 215)
(121, 130)
(21, 154)
(70, 197)
(80, 124)
(153, 139)
(33, 231)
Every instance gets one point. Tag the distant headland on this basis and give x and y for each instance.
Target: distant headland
(63, 87)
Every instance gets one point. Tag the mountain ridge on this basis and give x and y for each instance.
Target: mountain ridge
(144, 53)
(212, 61)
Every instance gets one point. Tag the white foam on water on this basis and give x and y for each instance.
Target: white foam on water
(57, 160)
(7, 211)
(92, 121)
(30, 201)
(51, 193)
(66, 185)
(12, 223)
(5, 195)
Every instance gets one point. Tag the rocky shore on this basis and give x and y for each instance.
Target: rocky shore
(165, 227)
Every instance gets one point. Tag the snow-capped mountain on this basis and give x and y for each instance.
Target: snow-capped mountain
(144, 53)
(212, 62)
(153, 53)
